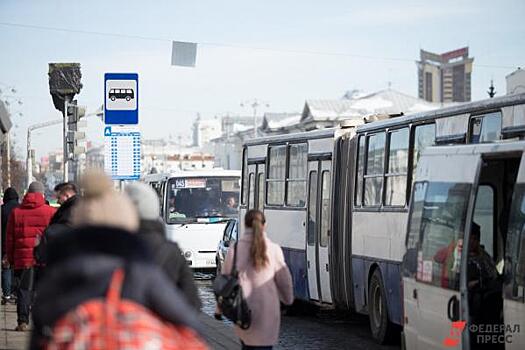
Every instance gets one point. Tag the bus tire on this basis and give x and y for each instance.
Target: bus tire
(382, 329)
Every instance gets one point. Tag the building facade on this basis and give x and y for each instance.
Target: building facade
(445, 77)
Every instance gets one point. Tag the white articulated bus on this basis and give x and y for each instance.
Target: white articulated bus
(337, 200)
(196, 206)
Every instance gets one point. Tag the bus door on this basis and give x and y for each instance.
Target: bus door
(514, 286)
(440, 213)
(256, 186)
(318, 230)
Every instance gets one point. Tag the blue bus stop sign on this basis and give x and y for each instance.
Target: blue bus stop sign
(121, 98)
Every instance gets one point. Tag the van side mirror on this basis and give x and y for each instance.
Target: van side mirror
(226, 244)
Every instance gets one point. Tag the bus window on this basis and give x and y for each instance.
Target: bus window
(251, 196)
(244, 176)
(296, 181)
(414, 229)
(374, 169)
(276, 175)
(194, 198)
(485, 128)
(260, 195)
(325, 209)
(424, 136)
(360, 171)
(312, 208)
(443, 219)
(396, 176)
(484, 216)
(516, 245)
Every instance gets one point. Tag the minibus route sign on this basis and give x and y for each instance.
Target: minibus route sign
(121, 98)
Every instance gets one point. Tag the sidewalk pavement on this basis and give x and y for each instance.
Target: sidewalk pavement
(9, 338)
(218, 334)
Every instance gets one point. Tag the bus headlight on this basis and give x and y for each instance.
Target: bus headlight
(187, 254)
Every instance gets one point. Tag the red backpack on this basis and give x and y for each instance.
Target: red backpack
(114, 323)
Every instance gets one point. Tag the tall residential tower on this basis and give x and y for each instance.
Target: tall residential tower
(445, 77)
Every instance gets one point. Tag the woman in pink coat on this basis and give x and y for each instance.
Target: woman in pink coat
(265, 281)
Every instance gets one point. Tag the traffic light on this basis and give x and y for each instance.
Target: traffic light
(76, 139)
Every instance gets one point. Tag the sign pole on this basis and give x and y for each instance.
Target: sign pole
(66, 155)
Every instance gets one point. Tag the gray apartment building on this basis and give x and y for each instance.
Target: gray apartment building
(445, 77)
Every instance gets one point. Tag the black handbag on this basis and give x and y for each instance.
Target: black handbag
(230, 299)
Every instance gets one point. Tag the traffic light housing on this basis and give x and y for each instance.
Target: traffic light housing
(75, 138)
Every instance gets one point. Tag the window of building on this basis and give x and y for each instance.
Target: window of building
(296, 180)
(424, 136)
(360, 171)
(396, 175)
(485, 128)
(428, 86)
(325, 209)
(276, 175)
(373, 178)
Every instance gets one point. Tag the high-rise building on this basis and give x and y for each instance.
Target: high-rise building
(445, 77)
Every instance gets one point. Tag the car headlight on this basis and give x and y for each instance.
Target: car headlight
(187, 254)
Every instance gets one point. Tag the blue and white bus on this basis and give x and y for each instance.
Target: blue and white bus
(337, 199)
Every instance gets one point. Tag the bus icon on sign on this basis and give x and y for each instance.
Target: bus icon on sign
(121, 94)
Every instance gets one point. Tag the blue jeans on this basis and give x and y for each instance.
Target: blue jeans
(7, 275)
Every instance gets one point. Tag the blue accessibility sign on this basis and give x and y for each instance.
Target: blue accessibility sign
(121, 98)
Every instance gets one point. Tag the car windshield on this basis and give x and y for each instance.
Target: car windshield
(202, 199)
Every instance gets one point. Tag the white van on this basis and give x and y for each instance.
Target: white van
(461, 291)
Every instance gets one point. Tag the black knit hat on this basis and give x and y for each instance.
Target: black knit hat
(9, 194)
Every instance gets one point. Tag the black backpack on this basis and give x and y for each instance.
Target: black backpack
(230, 298)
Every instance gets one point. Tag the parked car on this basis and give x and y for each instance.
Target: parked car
(231, 235)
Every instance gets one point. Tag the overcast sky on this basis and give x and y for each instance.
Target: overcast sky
(282, 52)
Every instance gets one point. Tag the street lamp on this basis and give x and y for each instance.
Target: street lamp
(5, 99)
(255, 103)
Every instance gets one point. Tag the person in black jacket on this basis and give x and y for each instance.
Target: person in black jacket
(82, 261)
(66, 194)
(167, 254)
(10, 202)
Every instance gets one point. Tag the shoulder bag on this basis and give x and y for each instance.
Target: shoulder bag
(230, 299)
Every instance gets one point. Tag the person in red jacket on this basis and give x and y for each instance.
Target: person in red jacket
(26, 223)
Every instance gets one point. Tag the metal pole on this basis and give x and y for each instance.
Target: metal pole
(28, 160)
(8, 156)
(66, 155)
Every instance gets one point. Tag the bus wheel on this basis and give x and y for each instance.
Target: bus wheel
(382, 329)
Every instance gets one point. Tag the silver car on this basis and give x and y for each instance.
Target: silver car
(231, 235)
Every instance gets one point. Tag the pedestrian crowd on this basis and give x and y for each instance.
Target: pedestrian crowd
(99, 272)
